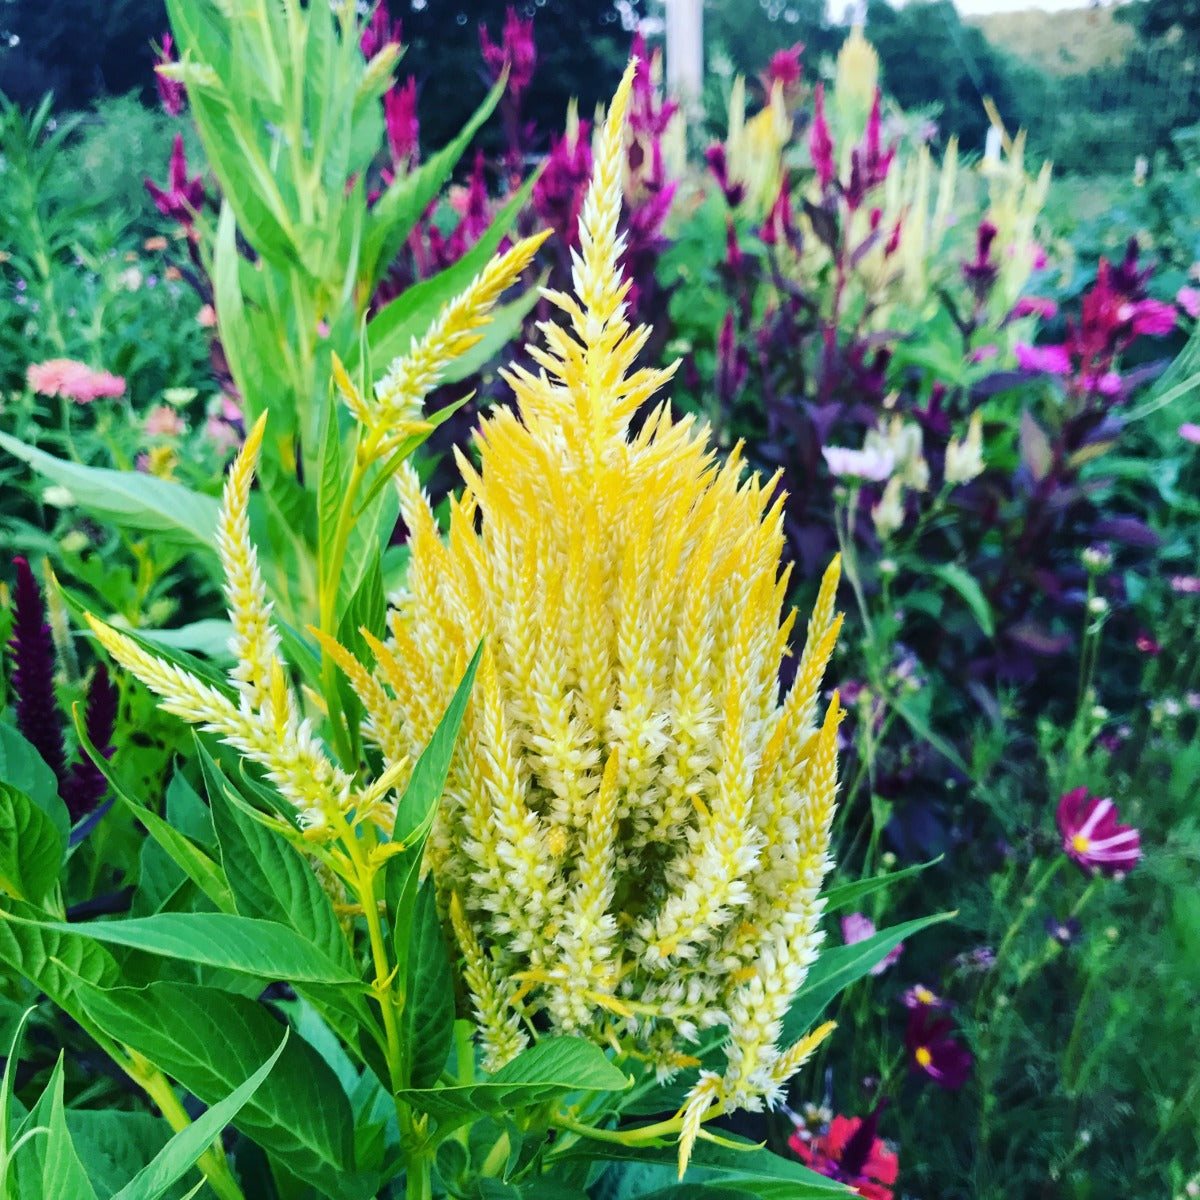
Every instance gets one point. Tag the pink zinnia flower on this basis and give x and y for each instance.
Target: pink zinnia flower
(164, 421)
(1190, 432)
(1092, 836)
(857, 928)
(73, 380)
(1054, 360)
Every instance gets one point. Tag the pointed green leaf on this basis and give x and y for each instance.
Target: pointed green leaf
(429, 1005)
(263, 949)
(964, 583)
(129, 499)
(23, 768)
(209, 1039)
(846, 894)
(51, 1166)
(181, 1153)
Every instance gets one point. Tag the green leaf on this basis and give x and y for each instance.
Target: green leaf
(114, 1145)
(31, 849)
(964, 583)
(921, 727)
(415, 814)
(399, 208)
(23, 768)
(751, 1169)
(208, 1039)
(209, 637)
(272, 880)
(50, 1166)
(263, 949)
(846, 894)
(429, 1006)
(548, 1070)
(179, 1155)
(129, 499)
(838, 967)
(54, 960)
(190, 859)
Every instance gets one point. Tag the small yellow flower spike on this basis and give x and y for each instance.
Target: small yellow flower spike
(635, 830)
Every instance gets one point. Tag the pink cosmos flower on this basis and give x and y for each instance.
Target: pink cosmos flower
(933, 1052)
(857, 928)
(73, 380)
(1092, 836)
(1188, 298)
(1053, 360)
(1190, 432)
(919, 996)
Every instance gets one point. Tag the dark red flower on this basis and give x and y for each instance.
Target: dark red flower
(182, 198)
(38, 715)
(850, 1152)
(933, 1052)
(1147, 645)
(1092, 836)
(784, 69)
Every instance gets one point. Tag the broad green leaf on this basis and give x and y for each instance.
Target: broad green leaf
(391, 330)
(115, 1145)
(965, 584)
(272, 880)
(31, 849)
(180, 1154)
(846, 894)
(837, 967)
(208, 1040)
(129, 499)
(209, 637)
(429, 1004)
(548, 1070)
(263, 949)
(23, 768)
(399, 208)
(53, 960)
(190, 859)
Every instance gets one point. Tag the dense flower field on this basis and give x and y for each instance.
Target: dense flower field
(656, 662)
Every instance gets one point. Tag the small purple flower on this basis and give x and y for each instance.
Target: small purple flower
(1064, 932)
(920, 997)
(1092, 836)
(858, 928)
(933, 1052)
(1185, 585)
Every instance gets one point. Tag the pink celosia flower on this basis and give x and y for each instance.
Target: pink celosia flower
(820, 144)
(182, 198)
(857, 928)
(1091, 835)
(874, 465)
(1150, 317)
(1190, 432)
(400, 118)
(516, 50)
(784, 69)
(164, 421)
(73, 380)
(379, 32)
(1029, 306)
(1188, 298)
(1052, 359)
(171, 93)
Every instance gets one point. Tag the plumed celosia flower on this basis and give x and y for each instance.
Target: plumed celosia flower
(934, 1052)
(172, 94)
(851, 1152)
(85, 785)
(32, 647)
(380, 31)
(400, 121)
(1092, 836)
(73, 380)
(635, 831)
(517, 51)
(182, 198)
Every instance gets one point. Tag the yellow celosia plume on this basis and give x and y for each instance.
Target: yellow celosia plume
(635, 830)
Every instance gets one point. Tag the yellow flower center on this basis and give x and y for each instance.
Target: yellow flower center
(1080, 843)
(923, 1057)
(923, 994)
